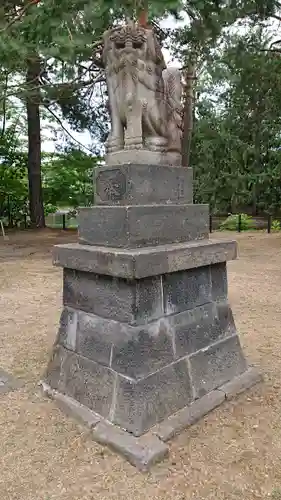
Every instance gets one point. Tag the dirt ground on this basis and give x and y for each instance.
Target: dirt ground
(234, 453)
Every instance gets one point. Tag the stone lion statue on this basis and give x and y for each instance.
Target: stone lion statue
(144, 96)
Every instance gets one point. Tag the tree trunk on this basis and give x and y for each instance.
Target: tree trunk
(33, 100)
(258, 157)
(188, 117)
(143, 14)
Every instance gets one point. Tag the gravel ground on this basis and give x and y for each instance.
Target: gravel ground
(234, 453)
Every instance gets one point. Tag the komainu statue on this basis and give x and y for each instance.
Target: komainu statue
(144, 96)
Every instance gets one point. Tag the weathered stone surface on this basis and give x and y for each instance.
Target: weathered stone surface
(225, 318)
(89, 383)
(148, 304)
(216, 365)
(147, 225)
(146, 352)
(198, 328)
(133, 351)
(241, 383)
(92, 259)
(135, 302)
(141, 452)
(71, 407)
(95, 337)
(103, 226)
(53, 372)
(137, 351)
(141, 263)
(189, 415)
(133, 184)
(141, 404)
(186, 289)
(68, 328)
(219, 281)
(108, 297)
(143, 157)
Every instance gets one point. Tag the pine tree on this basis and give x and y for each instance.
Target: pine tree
(195, 42)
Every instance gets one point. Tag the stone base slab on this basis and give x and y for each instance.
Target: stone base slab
(144, 451)
(143, 157)
(133, 184)
(134, 226)
(143, 262)
(141, 452)
(189, 415)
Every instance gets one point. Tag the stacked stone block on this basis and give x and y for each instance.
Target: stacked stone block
(146, 327)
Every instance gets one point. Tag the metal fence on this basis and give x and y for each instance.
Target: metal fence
(64, 220)
(268, 223)
(61, 221)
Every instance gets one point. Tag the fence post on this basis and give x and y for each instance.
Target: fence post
(239, 223)
(269, 224)
(25, 221)
(210, 223)
(63, 222)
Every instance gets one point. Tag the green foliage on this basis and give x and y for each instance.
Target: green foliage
(275, 225)
(49, 208)
(13, 178)
(68, 179)
(232, 221)
(236, 149)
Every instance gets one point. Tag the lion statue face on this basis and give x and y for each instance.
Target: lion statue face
(125, 47)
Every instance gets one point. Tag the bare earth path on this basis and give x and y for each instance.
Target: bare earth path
(234, 453)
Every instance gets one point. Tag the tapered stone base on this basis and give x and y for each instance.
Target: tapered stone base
(144, 451)
(136, 350)
(147, 343)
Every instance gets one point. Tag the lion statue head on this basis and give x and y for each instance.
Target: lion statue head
(128, 47)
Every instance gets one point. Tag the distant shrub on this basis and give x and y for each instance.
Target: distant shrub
(275, 225)
(231, 223)
(49, 209)
(72, 213)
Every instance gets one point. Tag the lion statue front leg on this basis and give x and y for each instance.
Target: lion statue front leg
(133, 128)
(115, 140)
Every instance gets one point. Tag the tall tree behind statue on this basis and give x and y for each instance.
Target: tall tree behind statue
(194, 43)
(238, 133)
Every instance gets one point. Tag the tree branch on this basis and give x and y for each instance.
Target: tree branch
(276, 17)
(274, 43)
(17, 18)
(278, 51)
(65, 129)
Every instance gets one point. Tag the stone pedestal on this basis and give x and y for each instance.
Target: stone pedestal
(146, 327)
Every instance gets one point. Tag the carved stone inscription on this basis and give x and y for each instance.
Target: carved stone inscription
(181, 188)
(111, 185)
